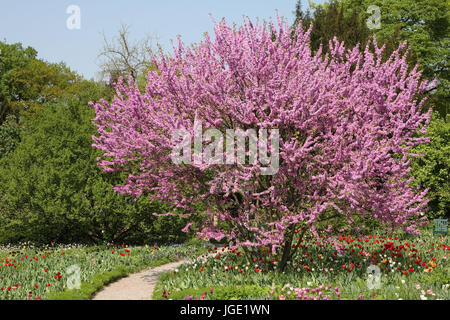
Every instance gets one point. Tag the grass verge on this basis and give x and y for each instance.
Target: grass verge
(97, 282)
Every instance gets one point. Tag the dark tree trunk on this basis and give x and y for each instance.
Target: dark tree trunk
(286, 253)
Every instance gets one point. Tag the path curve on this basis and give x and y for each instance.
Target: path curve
(137, 286)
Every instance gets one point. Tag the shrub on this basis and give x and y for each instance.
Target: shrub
(432, 171)
(52, 190)
(9, 135)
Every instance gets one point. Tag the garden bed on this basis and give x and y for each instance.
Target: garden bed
(51, 272)
(407, 267)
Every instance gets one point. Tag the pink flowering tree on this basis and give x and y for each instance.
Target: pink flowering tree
(346, 123)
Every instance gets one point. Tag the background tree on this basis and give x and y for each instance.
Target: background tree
(120, 57)
(329, 22)
(39, 83)
(27, 83)
(13, 57)
(346, 23)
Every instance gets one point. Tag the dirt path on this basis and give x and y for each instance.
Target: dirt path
(140, 285)
(137, 286)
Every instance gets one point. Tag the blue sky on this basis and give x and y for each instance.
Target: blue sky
(42, 24)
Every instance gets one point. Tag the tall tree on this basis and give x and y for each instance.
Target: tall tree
(329, 22)
(27, 84)
(344, 128)
(120, 57)
(13, 57)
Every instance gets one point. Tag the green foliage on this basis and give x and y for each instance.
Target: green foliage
(433, 170)
(39, 83)
(329, 22)
(27, 84)
(9, 135)
(348, 23)
(13, 58)
(52, 190)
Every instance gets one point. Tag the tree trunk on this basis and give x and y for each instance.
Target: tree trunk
(286, 254)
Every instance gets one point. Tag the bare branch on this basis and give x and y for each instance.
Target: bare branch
(120, 57)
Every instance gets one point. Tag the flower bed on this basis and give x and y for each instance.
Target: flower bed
(51, 272)
(342, 267)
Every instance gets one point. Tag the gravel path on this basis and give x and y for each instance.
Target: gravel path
(140, 285)
(137, 286)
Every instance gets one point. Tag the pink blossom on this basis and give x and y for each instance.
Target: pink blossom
(347, 123)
